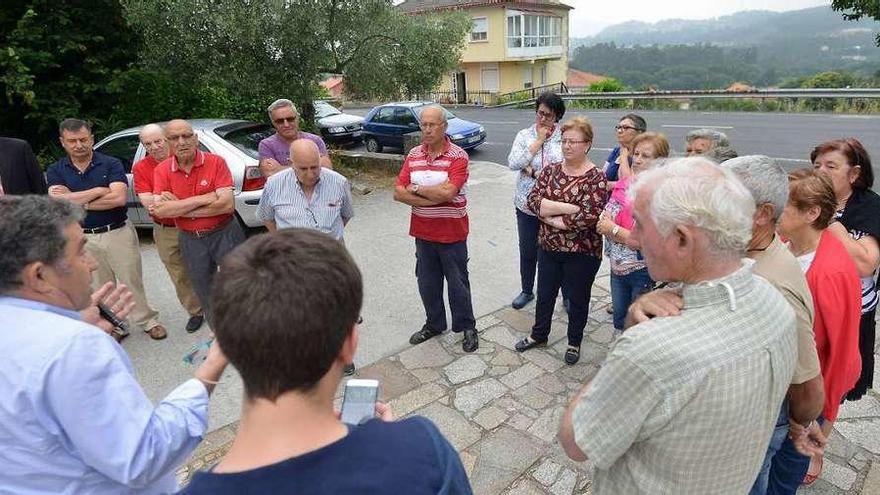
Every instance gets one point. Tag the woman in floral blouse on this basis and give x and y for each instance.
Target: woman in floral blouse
(568, 198)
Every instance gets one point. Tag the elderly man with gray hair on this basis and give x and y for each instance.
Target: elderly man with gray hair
(768, 184)
(275, 150)
(687, 404)
(74, 418)
(710, 143)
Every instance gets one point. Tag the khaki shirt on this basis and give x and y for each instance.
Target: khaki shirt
(781, 268)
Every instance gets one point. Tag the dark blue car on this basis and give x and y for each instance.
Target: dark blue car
(386, 125)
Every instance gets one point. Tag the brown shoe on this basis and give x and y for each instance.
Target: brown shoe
(157, 333)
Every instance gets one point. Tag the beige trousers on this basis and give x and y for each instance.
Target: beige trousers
(166, 239)
(119, 260)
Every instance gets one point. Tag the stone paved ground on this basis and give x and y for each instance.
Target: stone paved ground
(501, 409)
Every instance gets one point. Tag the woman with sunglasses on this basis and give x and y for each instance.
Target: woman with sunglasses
(533, 148)
(568, 198)
(620, 159)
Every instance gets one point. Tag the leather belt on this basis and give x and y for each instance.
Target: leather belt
(104, 228)
(203, 233)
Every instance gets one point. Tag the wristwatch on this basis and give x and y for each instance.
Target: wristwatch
(415, 189)
(615, 230)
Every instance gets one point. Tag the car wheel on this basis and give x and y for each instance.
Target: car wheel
(372, 145)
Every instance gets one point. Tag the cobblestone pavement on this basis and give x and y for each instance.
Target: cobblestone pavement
(501, 409)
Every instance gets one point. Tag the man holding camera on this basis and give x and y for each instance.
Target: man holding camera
(286, 311)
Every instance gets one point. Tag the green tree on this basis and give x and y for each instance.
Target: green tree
(854, 10)
(830, 79)
(261, 49)
(59, 59)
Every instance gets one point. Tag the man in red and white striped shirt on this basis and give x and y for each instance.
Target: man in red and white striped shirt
(432, 181)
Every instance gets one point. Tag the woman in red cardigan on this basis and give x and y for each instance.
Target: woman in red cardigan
(835, 287)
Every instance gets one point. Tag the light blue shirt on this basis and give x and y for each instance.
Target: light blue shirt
(73, 418)
(284, 202)
(520, 158)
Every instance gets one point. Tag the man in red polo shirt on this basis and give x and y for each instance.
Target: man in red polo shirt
(194, 189)
(432, 181)
(165, 233)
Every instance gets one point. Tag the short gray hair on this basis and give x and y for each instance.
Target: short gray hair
(280, 103)
(764, 178)
(718, 138)
(695, 191)
(721, 153)
(31, 230)
(437, 107)
(73, 125)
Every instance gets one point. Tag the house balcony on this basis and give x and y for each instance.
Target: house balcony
(534, 52)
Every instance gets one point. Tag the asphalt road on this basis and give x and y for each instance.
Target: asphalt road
(787, 137)
(377, 237)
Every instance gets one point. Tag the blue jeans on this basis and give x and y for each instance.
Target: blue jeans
(574, 273)
(784, 467)
(435, 262)
(625, 289)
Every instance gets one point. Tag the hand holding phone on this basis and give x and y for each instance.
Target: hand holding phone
(359, 401)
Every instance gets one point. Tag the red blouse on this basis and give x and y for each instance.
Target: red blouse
(587, 191)
(836, 289)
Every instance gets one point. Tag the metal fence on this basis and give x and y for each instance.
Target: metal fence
(576, 93)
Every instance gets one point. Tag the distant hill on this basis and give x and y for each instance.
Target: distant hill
(779, 44)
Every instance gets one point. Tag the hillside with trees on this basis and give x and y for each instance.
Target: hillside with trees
(756, 47)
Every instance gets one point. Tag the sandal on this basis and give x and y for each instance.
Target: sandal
(527, 343)
(813, 474)
(572, 355)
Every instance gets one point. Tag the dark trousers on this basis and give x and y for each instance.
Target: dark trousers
(867, 335)
(202, 256)
(574, 273)
(435, 262)
(527, 228)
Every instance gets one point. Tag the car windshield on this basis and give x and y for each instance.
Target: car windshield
(245, 136)
(418, 111)
(324, 109)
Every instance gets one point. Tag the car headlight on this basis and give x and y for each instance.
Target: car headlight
(458, 136)
(482, 129)
(337, 130)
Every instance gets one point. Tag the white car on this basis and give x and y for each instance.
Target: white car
(235, 140)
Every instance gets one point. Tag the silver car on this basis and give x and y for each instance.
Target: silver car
(235, 140)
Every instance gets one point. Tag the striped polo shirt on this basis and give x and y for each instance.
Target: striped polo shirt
(445, 222)
(284, 202)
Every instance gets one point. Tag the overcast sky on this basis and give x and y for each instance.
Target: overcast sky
(590, 16)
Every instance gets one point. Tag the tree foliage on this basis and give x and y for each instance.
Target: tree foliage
(854, 10)
(255, 48)
(59, 59)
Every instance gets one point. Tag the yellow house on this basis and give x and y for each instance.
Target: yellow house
(512, 45)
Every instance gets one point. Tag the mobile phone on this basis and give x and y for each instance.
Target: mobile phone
(359, 401)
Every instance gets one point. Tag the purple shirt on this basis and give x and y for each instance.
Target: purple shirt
(276, 147)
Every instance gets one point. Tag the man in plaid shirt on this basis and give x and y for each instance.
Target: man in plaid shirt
(687, 403)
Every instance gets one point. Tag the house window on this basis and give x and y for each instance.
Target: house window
(480, 29)
(514, 31)
(531, 31)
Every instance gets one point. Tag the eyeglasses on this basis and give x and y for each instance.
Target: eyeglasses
(429, 125)
(572, 142)
(545, 115)
(619, 128)
(286, 120)
(185, 137)
(312, 214)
